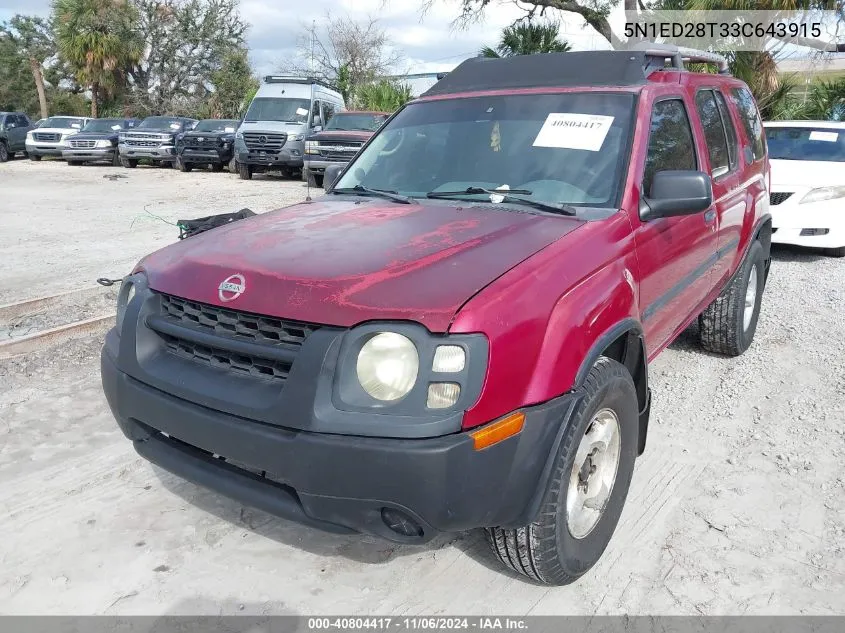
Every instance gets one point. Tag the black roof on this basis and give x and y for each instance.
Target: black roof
(587, 68)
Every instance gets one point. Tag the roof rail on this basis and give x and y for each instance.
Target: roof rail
(657, 54)
(285, 79)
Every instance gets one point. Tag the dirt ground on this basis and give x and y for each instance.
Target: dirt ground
(737, 506)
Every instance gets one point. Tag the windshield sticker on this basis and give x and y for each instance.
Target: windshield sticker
(174, 126)
(570, 130)
(75, 126)
(302, 112)
(115, 127)
(228, 129)
(829, 137)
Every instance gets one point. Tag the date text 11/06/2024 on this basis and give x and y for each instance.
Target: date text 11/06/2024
(418, 623)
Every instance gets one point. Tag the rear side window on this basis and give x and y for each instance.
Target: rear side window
(714, 132)
(730, 130)
(744, 102)
(670, 142)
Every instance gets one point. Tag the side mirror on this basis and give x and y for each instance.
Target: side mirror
(317, 128)
(317, 122)
(675, 193)
(332, 174)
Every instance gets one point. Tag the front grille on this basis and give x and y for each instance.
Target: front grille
(226, 359)
(265, 142)
(82, 144)
(136, 143)
(206, 143)
(779, 196)
(46, 137)
(233, 325)
(340, 150)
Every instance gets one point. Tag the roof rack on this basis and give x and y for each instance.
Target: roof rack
(657, 54)
(284, 79)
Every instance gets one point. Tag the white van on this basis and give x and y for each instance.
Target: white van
(284, 111)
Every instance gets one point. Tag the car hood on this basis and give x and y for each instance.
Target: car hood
(806, 173)
(96, 136)
(340, 135)
(341, 262)
(56, 130)
(207, 134)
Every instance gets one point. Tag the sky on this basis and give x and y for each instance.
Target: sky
(427, 42)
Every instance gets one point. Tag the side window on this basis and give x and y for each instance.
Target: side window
(670, 142)
(23, 121)
(744, 102)
(328, 112)
(730, 130)
(714, 132)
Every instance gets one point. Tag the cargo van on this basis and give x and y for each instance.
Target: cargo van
(284, 111)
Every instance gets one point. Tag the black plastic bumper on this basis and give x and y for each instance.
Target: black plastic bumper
(261, 161)
(191, 155)
(342, 483)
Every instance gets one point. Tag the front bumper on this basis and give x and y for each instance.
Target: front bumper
(342, 483)
(266, 160)
(163, 152)
(318, 165)
(44, 149)
(196, 155)
(98, 153)
(823, 222)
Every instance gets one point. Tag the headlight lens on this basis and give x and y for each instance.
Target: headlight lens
(296, 137)
(442, 395)
(387, 366)
(103, 143)
(823, 193)
(239, 135)
(124, 296)
(311, 147)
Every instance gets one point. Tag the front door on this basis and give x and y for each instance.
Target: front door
(675, 254)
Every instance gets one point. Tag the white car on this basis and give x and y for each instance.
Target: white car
(48, 139)
(808, 184)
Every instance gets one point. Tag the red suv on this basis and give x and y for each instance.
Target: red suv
(457, 334)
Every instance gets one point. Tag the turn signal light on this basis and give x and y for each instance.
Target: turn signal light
(498, 431)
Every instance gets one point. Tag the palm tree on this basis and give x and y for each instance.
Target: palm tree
(528, 38)
(97, 38)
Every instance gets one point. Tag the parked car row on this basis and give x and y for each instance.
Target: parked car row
(297, 126)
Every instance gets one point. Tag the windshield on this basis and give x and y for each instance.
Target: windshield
(160, 123)
(803, 143)
(104, 125)
(564, 148)
(217, 125)
(62, 122)
(278, 109)
(362, 122)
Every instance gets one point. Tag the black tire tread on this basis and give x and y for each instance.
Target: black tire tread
(531, 550)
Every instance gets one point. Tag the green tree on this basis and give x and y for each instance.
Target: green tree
(383, 95)
(232, 85)
(29, 38)
(528, 38)
(98, 40)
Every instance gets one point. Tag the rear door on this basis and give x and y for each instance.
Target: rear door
(729, 190)
(17, 135)
(675, 255)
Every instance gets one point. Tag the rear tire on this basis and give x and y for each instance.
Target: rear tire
(546, 550)
(245, 172)
(836, 252)
(728, 324)
(4, 153)
(129, 163)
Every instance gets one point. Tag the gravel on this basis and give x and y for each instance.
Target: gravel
(737, 506)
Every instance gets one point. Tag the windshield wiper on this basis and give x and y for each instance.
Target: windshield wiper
(507, 196)
(378, 193)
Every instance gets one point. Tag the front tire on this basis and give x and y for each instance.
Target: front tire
(183, 166)
(129, 163)
(728, 324)
(74, 163)
(589, 484)
(315, 180)
(245, 171)
(4, 153)
(233, 166)
(115, 160)
(217, 167)
(34, 157)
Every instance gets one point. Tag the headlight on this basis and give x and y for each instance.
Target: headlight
(823, 193)
(103, 143)
(29, 136)
(311, 147)
(296, 137)
(387, 366)
(239, 135)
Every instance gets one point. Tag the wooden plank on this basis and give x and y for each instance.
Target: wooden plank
(42, 340)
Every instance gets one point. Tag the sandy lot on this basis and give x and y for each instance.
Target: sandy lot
(737, 506)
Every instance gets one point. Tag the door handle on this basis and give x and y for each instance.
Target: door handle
(710, 216)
